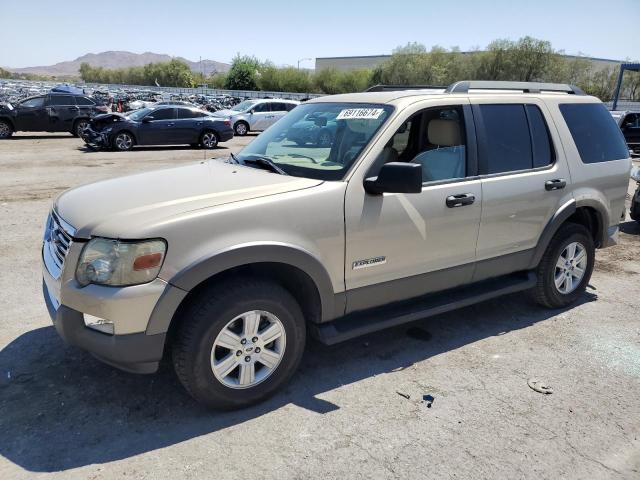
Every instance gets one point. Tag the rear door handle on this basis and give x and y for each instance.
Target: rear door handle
(556, 184)
(170, 124)
(460, 200)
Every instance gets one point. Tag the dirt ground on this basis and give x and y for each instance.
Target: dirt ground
(356, 410)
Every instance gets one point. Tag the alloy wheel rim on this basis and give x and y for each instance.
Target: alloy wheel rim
(241, 129)
(80, 128)
(209, 140)
(248, 349)
(570, 268)
(4, 129)
(123, 142)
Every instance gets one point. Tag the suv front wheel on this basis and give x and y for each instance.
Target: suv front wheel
(566, 267)
(237, 344)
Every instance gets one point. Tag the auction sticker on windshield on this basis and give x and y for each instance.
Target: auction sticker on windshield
(360, 113)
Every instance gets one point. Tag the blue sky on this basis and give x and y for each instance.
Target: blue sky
(36, 32)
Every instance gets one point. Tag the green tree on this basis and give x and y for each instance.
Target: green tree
(243, 74)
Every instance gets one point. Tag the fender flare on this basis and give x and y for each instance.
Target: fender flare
(563, 213)
(204, 268)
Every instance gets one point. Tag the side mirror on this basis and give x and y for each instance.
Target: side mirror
(147, 119)
(252, 111)
(396, 177)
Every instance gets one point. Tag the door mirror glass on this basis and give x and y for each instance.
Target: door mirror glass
(252, 111)
(396, 177)
(147, 119)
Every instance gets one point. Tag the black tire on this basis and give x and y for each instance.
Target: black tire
(241, 128)
(634, 211)
(78, 126)
(6, 130)
(545, 292)
(209, 139)
(204, 319)
(120, 142)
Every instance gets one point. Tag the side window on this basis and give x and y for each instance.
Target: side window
(163, 114)
(543, 152)
(505, 144)
(184, 113)
(595, 132)
(33, 102)
(278, 107)
(290, 106)
(84, 101)
(262, 107)
(435, 138)
(61, 100)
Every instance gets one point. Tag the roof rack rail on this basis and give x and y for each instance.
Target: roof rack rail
(526, 87)
(394, 88)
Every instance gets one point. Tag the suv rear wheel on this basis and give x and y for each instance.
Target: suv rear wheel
(79, 127)
(566, 267)
(5, 129)
(237, 344)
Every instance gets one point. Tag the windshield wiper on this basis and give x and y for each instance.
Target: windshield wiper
(265, 162)
(234, 159)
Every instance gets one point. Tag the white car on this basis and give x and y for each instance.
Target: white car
(257, 115)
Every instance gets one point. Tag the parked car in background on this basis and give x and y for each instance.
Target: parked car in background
(634, 211)
(629, 123)
(53, 112)
(317, 129)
(158, 125)
(257, 115)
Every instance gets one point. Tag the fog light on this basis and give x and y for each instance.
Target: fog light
(99, 324)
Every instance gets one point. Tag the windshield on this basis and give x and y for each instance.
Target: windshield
(137, 115)
(243, 106)
(318, 140)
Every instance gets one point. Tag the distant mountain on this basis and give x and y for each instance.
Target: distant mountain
(118, 59)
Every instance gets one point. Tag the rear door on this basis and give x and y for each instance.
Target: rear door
(159, 129)
(524, 175)
(85, 105)
(188, 125)
(62, 112)
(31, 115)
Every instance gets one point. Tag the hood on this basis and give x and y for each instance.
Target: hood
(123, 207)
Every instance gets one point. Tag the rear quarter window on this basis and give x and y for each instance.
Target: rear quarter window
(594, 131)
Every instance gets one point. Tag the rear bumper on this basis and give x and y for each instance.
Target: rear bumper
(226, 135)
(136, 352)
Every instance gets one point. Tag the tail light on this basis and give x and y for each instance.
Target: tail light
(227, 122)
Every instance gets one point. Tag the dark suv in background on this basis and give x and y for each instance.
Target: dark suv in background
(53, 112)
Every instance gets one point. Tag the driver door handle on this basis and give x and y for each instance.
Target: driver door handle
(170, 124)
(460, 200)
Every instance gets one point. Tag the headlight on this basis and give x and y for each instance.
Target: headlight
(635, 173)
(117, 263)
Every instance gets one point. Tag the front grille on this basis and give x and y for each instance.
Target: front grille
(58, 240)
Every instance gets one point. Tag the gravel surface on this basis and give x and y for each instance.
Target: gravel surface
(362, 409)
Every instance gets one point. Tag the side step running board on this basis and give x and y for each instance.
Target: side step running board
(361, 323)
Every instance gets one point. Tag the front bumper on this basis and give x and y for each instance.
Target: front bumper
(95, 139)
(135, 352)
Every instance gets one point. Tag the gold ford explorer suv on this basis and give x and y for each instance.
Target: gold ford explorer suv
(427, 200)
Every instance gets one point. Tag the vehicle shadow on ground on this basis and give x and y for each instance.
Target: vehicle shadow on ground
(39, 137)
(165, 148)
(62, 409)
(630, 228)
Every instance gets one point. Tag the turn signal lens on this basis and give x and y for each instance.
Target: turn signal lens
(148, 261)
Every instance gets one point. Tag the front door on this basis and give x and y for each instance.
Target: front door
(31, 115)
(261, 117)
(631, 130)
(400, 246)
(158, 127)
